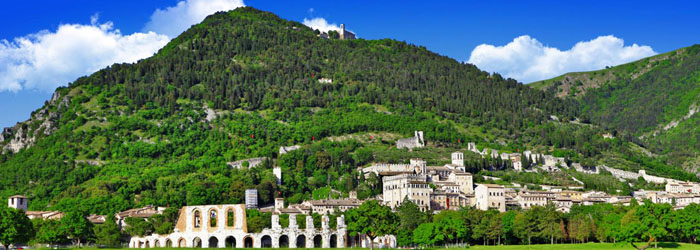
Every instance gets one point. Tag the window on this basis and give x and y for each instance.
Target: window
(197, 219)
(21, 201)
(229, 217)
(12, 201)
(212, 218)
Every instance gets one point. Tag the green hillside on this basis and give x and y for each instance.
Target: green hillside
(654, 100)
(245, 82)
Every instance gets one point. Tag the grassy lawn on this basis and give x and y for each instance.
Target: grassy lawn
(665, 245)
(585, 246)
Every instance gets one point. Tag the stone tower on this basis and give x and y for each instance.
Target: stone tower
(17, 202)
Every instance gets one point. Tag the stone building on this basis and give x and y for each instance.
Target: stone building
(252, 162)
(412, 186)
(219, 226)
(143, 212)
(251, 198)
(527, 201)
(17, 202)
(490, 196)
(683, 188)
(345, 34)
(463, 180)
(458, 159)
(416, 141)
(329, 206)
(284, 150)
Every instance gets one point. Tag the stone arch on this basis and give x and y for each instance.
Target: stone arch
(318, 240)
(283, 241)
(140, 244)
(334, 241)
(156, 243)
(212, 216)
(230, 217)
(248, 242)
(168, 243)
(230, 242)
(181, 242)
(266, 241)
(148, 244)
(301, 241)
(197, 219)
(213, 242)
(197, 242)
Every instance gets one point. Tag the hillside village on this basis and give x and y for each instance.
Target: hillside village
(431, 188)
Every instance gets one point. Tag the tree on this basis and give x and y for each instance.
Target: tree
(48, 231)
(450, 226)
(526, 225)
(548, 222)
(507, 223)
(372, 220)
(424, 234)
(495, 227)
(15, 227)
(687, 222)
(76, 226)
(138, 226)
(410, 217)
(645, 222)
(108, 234)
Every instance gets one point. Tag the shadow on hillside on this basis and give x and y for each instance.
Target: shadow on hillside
(668, 245)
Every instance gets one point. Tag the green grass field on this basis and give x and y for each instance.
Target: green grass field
(664, 245)
(583, 246)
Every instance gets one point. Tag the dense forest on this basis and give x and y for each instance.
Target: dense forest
(245, 82)
(653, 99)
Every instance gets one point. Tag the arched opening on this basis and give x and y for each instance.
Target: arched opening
(213, 242)
(140, 244)
(284, 241)
(148, 245)
(230, 242)
(230, 217)
(168, 243)
(317, 241)
(181, 242)
(301, 241)
(266, 241)
(156, 243)
(334, 241)
(197, 242)
(248, 242)
(212, 217)
(197, 219)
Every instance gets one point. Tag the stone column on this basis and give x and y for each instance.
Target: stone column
(276, 222)
(324, 223)
(293, 221)
(309, 223)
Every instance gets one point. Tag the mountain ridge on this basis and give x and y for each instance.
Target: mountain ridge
(245, 82)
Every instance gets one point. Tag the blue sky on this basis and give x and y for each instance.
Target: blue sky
(525, 40)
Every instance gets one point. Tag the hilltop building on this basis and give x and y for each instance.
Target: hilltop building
(416, 141)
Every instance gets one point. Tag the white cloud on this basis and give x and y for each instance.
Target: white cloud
(174, 20)
(527, 60)
(46, 60)
(319, 23)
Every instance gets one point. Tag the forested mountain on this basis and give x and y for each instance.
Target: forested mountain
(655, 100)
(245, 82)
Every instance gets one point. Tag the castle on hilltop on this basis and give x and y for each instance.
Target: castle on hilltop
(343, 34)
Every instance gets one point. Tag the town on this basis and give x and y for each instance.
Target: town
(431, 188)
